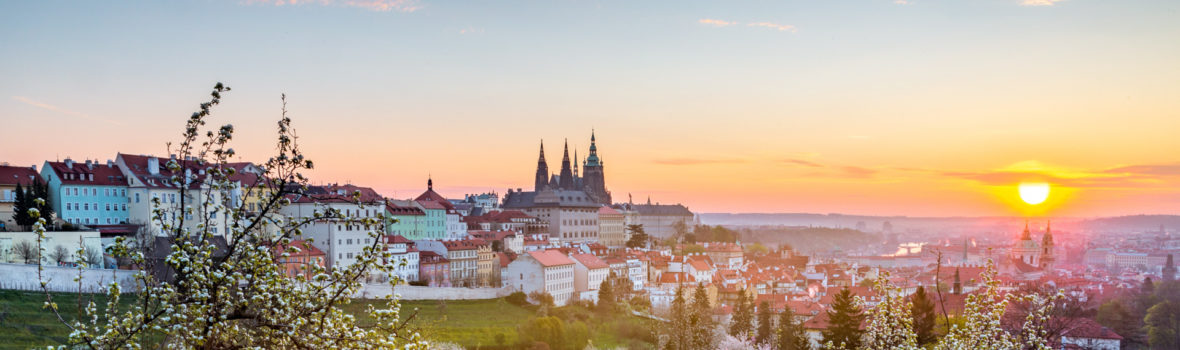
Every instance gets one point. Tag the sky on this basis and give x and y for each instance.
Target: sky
(908, 107)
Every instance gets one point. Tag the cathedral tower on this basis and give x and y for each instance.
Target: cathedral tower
(593, 179)
(542, 179)
(1048, 255)
(566, 178)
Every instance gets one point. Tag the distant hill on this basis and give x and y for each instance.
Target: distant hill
(1134, 223)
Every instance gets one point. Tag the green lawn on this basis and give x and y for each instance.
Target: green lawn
(470, 323)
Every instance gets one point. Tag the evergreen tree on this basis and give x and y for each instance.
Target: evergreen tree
(844, 318)
(743, 316)
(20, 207)
(638, 238)
(924, 316)
(790, 332)
(702, 319)
(764, 335)
(1148, 286)
(678, 332)
(606, 296)
(41, 190)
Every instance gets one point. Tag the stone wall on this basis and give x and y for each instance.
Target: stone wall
(61, 279)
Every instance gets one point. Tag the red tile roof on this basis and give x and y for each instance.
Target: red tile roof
(427, 257)
(590, 261)
(433, 197)
(396, 209)
(465, 244)
(1088, 328)
(677, 277)
(12, 175)
(138, 166)
(549, 258)
(81, 174)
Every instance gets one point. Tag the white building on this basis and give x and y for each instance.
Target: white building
(637, 272)
(404, 256)
(149, 179)
(547, 271)
(343, 240)
(589, 272)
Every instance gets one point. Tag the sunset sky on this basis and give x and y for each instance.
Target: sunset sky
(908, 107)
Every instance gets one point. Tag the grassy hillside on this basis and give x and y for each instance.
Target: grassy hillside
(470, 323)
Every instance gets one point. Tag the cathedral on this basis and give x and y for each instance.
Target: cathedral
(1029, 256)
(591, 181)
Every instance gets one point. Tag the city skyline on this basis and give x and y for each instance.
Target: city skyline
(922, 109)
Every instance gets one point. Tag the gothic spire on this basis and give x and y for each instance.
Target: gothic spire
(566, 178)
(1026, 236)
(429, 183)
(1047, 240)
(541, 180)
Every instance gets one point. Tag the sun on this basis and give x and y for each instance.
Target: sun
(1034, 192)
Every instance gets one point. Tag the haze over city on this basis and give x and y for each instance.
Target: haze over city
(918, 108)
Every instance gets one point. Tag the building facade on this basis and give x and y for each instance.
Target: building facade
(89, 193)
(10, 177)
(546, 271)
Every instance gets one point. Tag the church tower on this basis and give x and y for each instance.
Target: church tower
(1048, 255)
(593, 179)
(566, 178)
(542, 179)
(1169, 269)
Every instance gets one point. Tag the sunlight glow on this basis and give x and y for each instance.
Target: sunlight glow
(1034, 192)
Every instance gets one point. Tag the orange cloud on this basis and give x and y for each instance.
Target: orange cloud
(1132, 176)
(716, 22)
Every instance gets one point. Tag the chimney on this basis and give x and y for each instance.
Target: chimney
(153, 166)
(110, 163)
(89, 164)
(69, 163)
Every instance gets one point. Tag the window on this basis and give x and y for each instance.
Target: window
(87, 220)
(172, 198)
(106, 192)
(124, 207)
(137, 197)
(213, 214)
(108, 206)
(75, 191)
(85, 206)
(123, 192)
(95, 208)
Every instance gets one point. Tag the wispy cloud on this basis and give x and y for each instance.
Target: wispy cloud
(716, 22)
(856, 171)
(831, 170)
(1039, 2)
(902, 2)
(1131, 176)
(698, 161)
(775, 26)
(50, 107)
(801, 162)
(371, 5)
